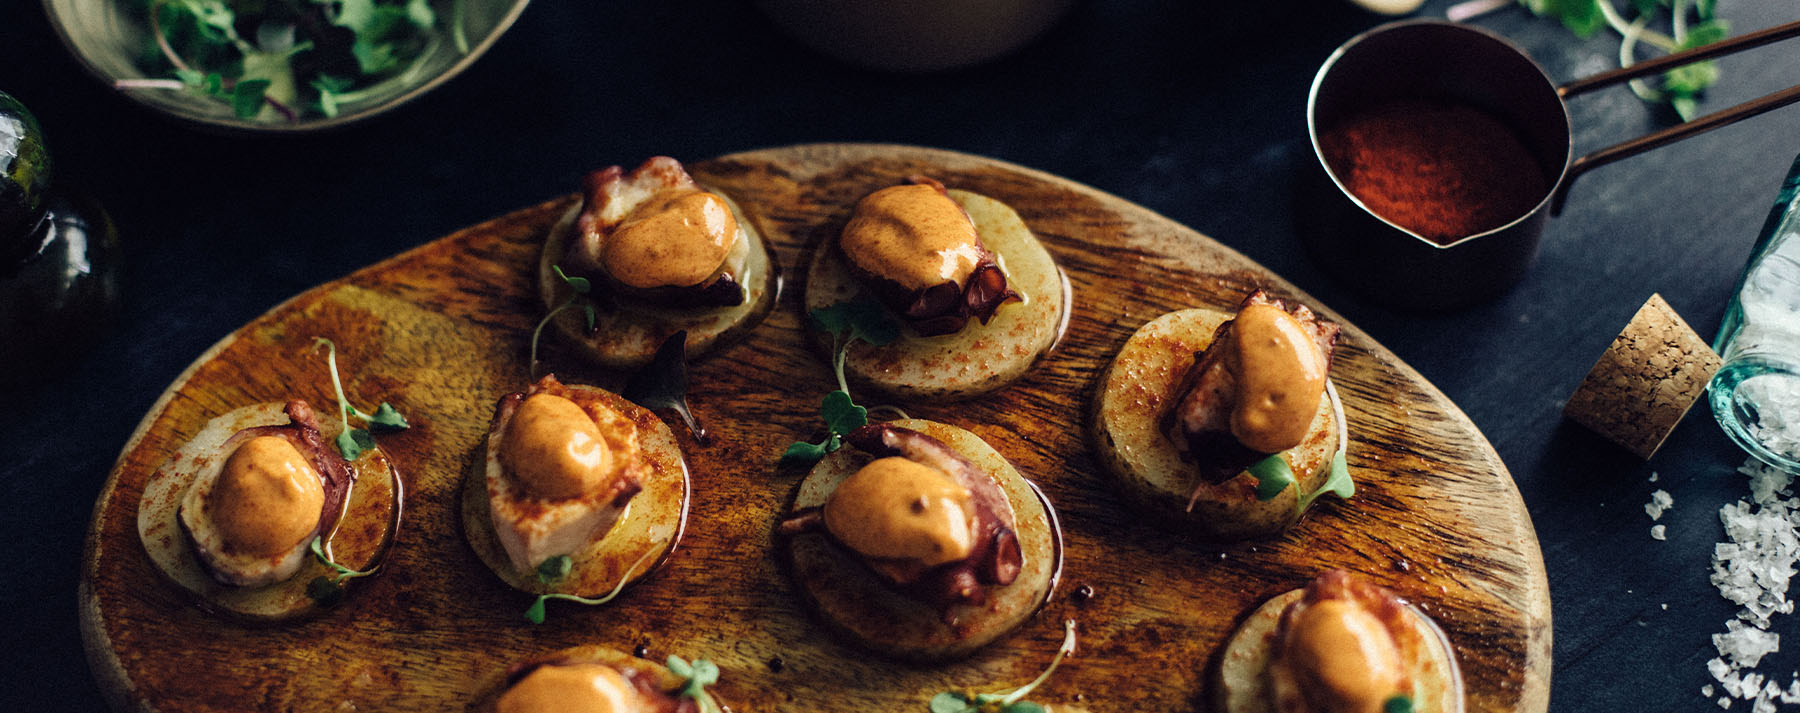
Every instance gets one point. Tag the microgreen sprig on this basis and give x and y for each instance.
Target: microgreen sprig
(553, 570)
(966, 701)
(847, 322)
(579, 298)
(699, 674)
(352, 442)
(328, 590)
(1398, 704)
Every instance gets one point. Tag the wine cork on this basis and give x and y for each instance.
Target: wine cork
(1646, 381)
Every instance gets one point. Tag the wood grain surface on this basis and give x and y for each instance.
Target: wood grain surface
(441, 331)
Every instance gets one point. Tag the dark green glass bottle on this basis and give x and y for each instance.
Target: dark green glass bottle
(59, 258)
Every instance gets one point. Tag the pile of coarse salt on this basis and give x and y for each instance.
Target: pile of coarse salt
(1753, 568)
(1659, 501)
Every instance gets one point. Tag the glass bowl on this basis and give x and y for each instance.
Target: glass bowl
(108, 39)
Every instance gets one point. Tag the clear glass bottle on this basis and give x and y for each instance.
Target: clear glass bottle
(1756, 393)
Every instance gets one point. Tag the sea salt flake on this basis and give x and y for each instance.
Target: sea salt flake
(1659, 501)
(1657, 533)
(1706, 690)
(1653, 476)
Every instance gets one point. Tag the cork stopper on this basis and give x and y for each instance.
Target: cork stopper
(1646, 381)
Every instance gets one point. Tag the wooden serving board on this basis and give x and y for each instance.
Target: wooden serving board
(442, 331)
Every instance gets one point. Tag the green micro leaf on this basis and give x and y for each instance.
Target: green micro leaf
(247, 97)
(803, 453)
(841, 414)
(1398, 704)
(679, 666)
(388, 419)
(420, 13)
(1273, 475)
(951, 702)
(325, 591)
(1011, 701)
(1338, 483)
(581, 285)
(663, 383)
(861, 318)
(536, 612)
(353, 442)
(553, 570)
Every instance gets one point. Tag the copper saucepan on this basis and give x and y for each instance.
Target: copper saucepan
(1447, 62)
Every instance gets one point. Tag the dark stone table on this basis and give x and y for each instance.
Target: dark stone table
(1192, 109)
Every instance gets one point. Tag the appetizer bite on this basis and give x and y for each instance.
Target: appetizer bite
(979, 299)
(578, 491)
(656, 253)
(260, 516)
(596, 679)
(1340, 645)
(921, 541)
(1227, 423)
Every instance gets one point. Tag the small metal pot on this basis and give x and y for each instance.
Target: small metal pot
(1436, 60)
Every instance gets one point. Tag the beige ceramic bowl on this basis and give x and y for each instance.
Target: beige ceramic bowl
(915, 35)
(107, 40)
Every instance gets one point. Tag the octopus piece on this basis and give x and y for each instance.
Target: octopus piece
(1337, 649)
(1253, 391)
(920, 253)
(250, 520)
(573, 684)
(656, 236)
(562, 466)
(939, 530)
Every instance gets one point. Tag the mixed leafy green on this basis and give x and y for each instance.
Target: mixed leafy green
(1692, 23)
(1011, 701)
(284, 59)
(846, 322)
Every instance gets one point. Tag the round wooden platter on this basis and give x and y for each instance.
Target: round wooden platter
(442, 331)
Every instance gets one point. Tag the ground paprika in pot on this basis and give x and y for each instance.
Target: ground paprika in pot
(1444, 171)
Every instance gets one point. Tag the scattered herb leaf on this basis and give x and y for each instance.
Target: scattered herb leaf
(353, 441)
(662, 384)
(1398, 704)
(861, 318)
(966, 701)
(805, 453)
(1338, 483)
(328, 590)
(841, 414)
(1272, 475)
(553, 570)
(700, 674)
(535, 613)
(580, 298)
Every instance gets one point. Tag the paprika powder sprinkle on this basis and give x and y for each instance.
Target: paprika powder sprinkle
(1445, 171)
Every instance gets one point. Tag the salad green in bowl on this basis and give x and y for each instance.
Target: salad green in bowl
(278, 66)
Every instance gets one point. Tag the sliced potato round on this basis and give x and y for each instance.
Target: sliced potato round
(359, 541)
(857, 604)
(1240, 683)
(489, 688)
(1125, 428)
(638, 542)
(627, 334)
(981, 357)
